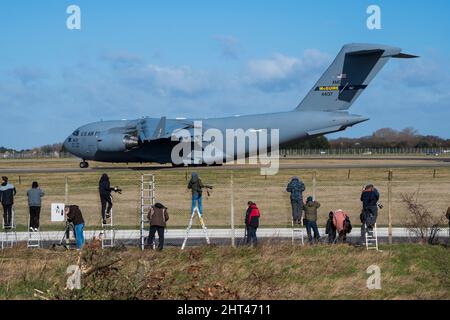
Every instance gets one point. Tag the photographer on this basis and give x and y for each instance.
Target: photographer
(7, 193)
(74, 216)
(35, 195)
(310, 208)
(158, 216)
(252, 216)
(369, 198)
(196, 185)
(296, 187)
(104, 189)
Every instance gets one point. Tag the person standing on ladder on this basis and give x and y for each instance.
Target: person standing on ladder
(369, 198)
(7, 193)
(196, 185)
(158, 216)
(34, 195)
(104, 189)
(296, 188)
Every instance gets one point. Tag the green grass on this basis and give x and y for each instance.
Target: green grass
(408, 271)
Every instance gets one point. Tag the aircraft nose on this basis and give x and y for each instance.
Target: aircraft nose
(66, 144)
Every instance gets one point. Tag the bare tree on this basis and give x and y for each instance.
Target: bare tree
(420, 221)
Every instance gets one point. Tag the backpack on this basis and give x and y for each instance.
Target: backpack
(347, 225)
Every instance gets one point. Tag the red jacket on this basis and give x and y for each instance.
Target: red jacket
(252, 216)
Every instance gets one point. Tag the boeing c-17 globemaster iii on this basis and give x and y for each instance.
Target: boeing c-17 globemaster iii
(323, 110)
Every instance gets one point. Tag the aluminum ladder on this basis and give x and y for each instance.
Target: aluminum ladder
(371, 238)
(9, 236)
(108, 233)
(297, 230)
(33, 238)
(189, 227)
(148, 194)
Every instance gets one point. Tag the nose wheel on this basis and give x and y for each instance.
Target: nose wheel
(84, 165)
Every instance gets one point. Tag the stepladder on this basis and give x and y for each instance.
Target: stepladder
(371, 237)
(298, 232)
(194, 213)
(108, 233)
(33, 236)
(148, 196)
(9, 234)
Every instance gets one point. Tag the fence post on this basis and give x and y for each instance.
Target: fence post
(233, 236)
(389, 206)
(314, 185)
(66, 191)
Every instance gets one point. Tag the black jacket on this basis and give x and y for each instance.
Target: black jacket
(370, 198)
(75, 215)
(330, 228)
(104, 187)
(7, 193)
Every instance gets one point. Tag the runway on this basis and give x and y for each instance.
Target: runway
(356, 163)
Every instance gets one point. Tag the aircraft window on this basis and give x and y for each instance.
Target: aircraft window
(76, 133)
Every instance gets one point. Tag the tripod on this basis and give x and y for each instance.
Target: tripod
(66, 236)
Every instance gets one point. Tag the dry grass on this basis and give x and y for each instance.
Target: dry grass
(334, 191)
(267, 272)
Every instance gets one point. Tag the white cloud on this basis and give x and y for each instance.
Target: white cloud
(282, 72)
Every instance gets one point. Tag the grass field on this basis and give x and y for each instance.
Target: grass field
(267, 272)
(334, 189)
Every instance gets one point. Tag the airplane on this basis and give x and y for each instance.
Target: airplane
(323, 110)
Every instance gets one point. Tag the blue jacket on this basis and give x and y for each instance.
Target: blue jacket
(7, 193)
(370, 198)
(296, 188)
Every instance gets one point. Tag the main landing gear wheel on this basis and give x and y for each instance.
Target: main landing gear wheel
(84, 165)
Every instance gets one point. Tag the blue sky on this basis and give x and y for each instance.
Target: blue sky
(210, 58)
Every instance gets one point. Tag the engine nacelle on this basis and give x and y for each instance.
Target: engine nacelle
(115, 142)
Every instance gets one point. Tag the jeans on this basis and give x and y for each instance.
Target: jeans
(79, 235)
(197, 201)
(105, 199)
(312, 225)
(251, 235)
(35, 213)
(296, 209)
(7, 214)
(151, 236)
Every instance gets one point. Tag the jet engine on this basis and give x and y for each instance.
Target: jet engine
(116, 142)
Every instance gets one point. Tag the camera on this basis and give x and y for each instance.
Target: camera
(380, 205)
(117, 189)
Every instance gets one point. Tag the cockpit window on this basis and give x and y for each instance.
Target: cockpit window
(76, 133)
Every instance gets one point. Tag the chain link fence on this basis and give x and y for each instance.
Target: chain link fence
(333, 188)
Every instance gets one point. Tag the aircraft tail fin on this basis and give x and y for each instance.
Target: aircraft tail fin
(347, 77)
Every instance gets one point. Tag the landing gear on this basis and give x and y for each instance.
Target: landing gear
(84, 164)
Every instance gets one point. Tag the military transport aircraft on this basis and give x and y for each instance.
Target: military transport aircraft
(322, 111)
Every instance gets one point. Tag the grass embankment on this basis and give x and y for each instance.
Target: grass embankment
(267, 272)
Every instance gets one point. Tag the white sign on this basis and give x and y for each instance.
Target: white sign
(57, 212)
